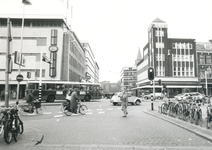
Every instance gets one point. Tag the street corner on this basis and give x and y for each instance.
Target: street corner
(29, 137)
(33, 136)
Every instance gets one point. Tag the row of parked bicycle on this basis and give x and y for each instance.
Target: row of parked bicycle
(10, 123)
(186, 110)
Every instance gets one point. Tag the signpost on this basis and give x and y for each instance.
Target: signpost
(19, 78)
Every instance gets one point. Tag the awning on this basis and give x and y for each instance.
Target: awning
(183, 86)
(169, 86)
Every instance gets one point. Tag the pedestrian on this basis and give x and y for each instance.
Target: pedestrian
(124, 102)
(73, 101)
(2, 95)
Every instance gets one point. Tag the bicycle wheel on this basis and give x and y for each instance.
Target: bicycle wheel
(41, 110)
(8, 134)
(23, 110)
(67, 111)
(20, 126)
(83, 109)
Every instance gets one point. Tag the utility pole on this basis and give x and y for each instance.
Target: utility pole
(7, 64)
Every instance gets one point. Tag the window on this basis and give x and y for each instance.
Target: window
(208, 59)
(159, 45)
(202, 59)
(159, 33)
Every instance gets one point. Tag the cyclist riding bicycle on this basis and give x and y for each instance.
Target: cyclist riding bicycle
(30, 100)
(74, 101)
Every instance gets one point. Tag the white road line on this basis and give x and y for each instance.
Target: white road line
(98, 109)
(58, 116)
(47, 113)
(89, 113)
(101, 112)
(88, 110)
(118, 108)
(109, 108)
(75, 114)
(60, 112)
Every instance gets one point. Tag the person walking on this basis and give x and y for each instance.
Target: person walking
(73, 100)
(124, 102)
(2, 95)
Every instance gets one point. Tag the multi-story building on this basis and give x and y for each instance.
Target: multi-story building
(128, 77)
(46, 35)
(173, 60)
(92, 68)
(204, 65)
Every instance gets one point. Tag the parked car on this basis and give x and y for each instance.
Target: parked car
(183, 96)
(157, 96)
(197, 97)
(115, 100)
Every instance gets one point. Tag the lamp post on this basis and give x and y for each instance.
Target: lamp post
(25, 2)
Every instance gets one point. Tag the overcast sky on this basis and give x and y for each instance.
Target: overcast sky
(116, 29)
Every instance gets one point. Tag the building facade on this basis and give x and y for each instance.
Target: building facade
(92, 68)
(204, 65)
(45, 34)
(128, 77)
(173, 60)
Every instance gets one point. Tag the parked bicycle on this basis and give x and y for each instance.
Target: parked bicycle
(11, 124)
(209, 115)
(82, 109)
(37, 108)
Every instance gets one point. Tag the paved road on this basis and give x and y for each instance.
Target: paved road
(105, 128)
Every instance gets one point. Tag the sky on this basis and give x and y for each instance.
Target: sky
(117, 29)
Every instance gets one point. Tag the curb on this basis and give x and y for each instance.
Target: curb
(190, 127)
(38, 138)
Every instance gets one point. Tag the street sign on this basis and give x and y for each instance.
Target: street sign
(19, 78)
(88, 77)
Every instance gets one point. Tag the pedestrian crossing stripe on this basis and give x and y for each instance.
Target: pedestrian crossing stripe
(58, 116)
(102, 112)
(109, 108)
(89, 113)
(98, 109)
(47, 113)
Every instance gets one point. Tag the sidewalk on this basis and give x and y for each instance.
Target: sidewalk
(31, 136)
(196, 129)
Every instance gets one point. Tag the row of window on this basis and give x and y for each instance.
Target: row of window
(182, 46)
(183, 58)
(205, 59)
(76, 64)
(76, 52)
(33, 24)
(183, 71)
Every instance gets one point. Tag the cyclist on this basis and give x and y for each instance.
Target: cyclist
(30, 100)
(73, 101)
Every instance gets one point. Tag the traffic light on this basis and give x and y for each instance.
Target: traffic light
(151, 74)
(159, 82)
(28, 75)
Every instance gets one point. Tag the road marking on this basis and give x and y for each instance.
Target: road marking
(47, 113)
(60, 112)
(118, 108)
(101, 112)
(109, 108)
(89, 113)
(89, 110)
(75, 114)
(58, 116)
(98, 109)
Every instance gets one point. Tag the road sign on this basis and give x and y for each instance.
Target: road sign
(88, 77)
(19, 78)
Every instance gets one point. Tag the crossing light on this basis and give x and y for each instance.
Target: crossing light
(159, 82)
(151, 74)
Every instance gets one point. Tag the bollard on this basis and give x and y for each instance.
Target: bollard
(152, 102)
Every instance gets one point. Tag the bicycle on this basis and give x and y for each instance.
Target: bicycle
(17, 123)
(10, 124)
(38, 108)
(81, 108)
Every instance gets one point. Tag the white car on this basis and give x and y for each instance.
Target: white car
(115, 100)
(157, 96)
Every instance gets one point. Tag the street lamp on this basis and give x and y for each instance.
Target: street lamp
(25, 2)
